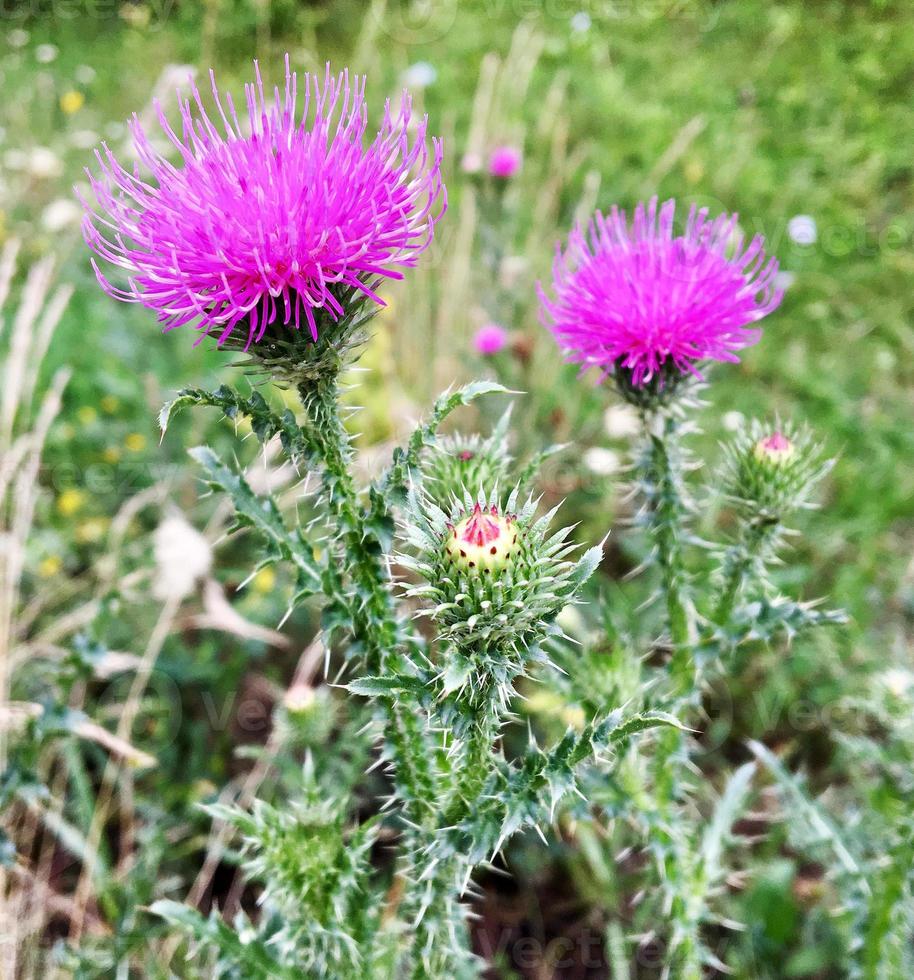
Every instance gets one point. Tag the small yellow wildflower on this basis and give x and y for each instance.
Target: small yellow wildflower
(50, 566)
(387, 311)
(264, 580)
(110, 404)
(574, 716)
(242, 426)
(72, 101)
(111, 454)
(135, 442)
(91, 530)
(87, 415)
(70, 501)
(694, 171)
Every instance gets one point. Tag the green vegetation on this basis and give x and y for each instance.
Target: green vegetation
(771, 109)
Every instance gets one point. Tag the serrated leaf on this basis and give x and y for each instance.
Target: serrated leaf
(252, 956)
(262, 514)
(586, 565)
(642, 722)
(727, 811)
(395, 478)
(374, 687)
(265, 423)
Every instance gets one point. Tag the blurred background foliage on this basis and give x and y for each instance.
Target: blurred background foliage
(771, 109)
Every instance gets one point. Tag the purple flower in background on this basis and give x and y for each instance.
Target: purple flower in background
(640, 299)
(505, 161)
(490, 339)
(271, 217)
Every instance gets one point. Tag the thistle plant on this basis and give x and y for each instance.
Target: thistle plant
(650, 309)
(274, 242)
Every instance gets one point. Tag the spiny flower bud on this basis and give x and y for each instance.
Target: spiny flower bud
(467, 461)
(495, 576)
(484, 540)
(770, 473)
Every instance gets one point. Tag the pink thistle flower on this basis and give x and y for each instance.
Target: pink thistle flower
(639, 299)
(490, 339)
(284, 215)
(505, 161)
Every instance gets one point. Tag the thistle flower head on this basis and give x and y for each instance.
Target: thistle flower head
(770, 472)
(505, 161)
(277, 216)
(647, 306)
(493, 573)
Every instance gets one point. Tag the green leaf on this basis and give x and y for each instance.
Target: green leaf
(262, 514)
(586, 565)
(265, 423)
(725, 815)
(252, 957)
(804, 808)
(375, 687)
(642, 722)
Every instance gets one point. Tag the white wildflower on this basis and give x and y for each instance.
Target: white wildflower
(183, 557)
(603, 462)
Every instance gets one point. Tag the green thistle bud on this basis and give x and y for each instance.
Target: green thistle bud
(467, 461)
(293, 358)
(662, 389)
(495, 576)
(770, 473)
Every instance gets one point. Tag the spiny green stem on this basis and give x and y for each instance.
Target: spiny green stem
(662, 485)
(374, 612)
(741, 564)
(374, 623)
(476, 766)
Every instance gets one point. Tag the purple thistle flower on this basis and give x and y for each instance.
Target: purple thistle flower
(642, 300)
(490, 339)
(273, 217)
(505, 161)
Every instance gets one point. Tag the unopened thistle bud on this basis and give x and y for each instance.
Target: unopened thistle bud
(485, 540)
(771, 472)
(467, 461)
(495, 576)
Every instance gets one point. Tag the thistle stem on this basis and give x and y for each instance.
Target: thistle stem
(373, 618)
(476, 764)
(374, 622)
(741, 564)
(662, 487)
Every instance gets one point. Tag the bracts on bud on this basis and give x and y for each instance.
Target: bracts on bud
(767, 474)
(770, 472)
(493, 575)
(462, 460)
